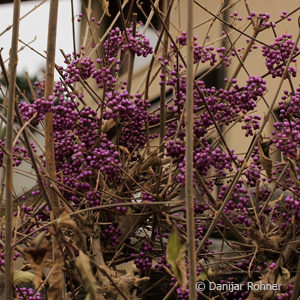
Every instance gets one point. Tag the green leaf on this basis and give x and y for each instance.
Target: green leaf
(202, 276)
(3, 132)
(176, 257)
(20, 277)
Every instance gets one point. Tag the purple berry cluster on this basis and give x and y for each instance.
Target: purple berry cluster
(143, 261)
(277, 55)
(19, 153)
(81, 67)
(286, 137)
(137, 43)
(39, 107)
(251, 123)
(2, 256)
(27, 293)
(112, 234)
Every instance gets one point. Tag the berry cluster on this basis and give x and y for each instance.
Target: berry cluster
(251, 123)
(137, 43)
(81, 67)
(143, 261)
(19, 153)
(36, 110)
(2, 257)
(277, 55)
(27, 293)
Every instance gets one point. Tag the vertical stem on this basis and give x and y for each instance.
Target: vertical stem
(163, 86)
(131, 55)
(13, 61)
(189, 122)
(49, 138)
(73, 27)
(54, 287)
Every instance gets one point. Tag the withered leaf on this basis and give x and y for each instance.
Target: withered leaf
(267, 220)
(56, 280)
(204, 275)
(293, 172)
(105, 6)
(108, 125)
(283, 275)
(125, 156)
(37, 256)
(265, 160)
(65, 221)
(83, 265)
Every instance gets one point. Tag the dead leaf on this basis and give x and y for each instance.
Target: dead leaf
(283, 275)
(265, 160)
(176, 257)
(125, 156)
(293, 172)
(268, 277)
(56, 280)
(37, 256)
(65, 221)
(105, 6)
(83, 265)
(268, 219)
(108, 125)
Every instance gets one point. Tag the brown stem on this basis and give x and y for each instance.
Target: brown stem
(189, 190)
(163, 86)
(131, 56)
(147, 82)
(49, 135)
(73, 27)
(13, 61)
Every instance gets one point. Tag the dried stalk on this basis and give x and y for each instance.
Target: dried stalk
(49, 137)
(49, 141)
(189, 122)
(73, 26)
(163, 86)
(131, 56)
(13, 61)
